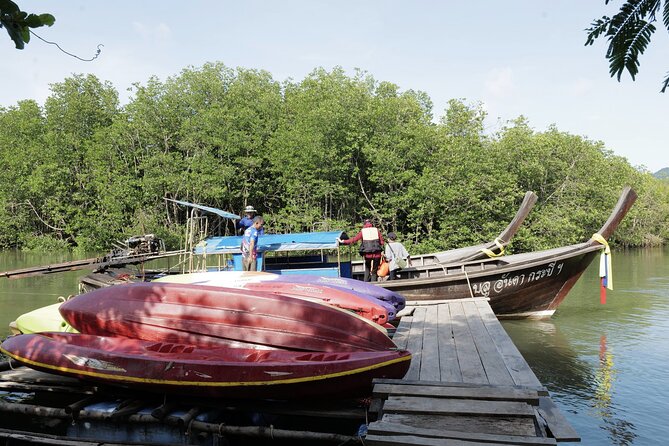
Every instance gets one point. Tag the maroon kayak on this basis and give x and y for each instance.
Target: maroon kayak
(209, 316)
(340, 298)
(210, 372)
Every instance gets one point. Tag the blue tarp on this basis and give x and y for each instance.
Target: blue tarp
(206, 209)
(303, 241)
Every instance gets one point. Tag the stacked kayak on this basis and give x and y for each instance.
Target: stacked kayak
(209, 372)
(213, 342)
(353, 295)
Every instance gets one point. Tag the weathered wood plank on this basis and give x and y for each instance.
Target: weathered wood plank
(444, 406)
(474, 393)
(542, 391)
(471, 367)
(401, 336)
(378, 440)
(429, 366)
(556, 423)
(480, 424)
(415, 343)
(520, 371)
(449, 366)
(416, 303)
(395, 429)
(492, 360)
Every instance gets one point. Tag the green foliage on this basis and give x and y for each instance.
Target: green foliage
(629, 33)
(18, 23)
(322, 153)
(662, 174)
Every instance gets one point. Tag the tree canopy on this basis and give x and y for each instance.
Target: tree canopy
(323, 152)
(629, 33)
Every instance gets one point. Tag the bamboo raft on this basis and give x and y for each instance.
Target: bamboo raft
(467, 385)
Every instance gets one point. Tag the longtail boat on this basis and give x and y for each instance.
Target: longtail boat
(210, 316)
(366, 306)
(520, 285)
(209, 372)
(485, 250)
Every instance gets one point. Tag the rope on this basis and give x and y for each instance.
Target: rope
(605, 267)
(471, 292)
(492, 254)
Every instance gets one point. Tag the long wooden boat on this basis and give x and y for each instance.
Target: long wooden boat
(209, 316)
(519, 285)
(210, 372)
(366, 306)
(468, 253)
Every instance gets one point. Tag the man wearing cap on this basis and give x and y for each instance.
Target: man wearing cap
(247, 221)
(370, 248)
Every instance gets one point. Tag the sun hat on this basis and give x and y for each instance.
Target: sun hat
(249, 209)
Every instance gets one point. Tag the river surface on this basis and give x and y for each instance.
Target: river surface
(606, 366)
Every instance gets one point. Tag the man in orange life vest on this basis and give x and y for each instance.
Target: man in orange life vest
(370, 248)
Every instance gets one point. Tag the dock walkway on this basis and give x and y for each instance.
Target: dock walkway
(467, 383)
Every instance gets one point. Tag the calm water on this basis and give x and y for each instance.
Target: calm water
(606, 366)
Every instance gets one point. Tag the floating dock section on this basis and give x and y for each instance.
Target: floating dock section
(467, 385)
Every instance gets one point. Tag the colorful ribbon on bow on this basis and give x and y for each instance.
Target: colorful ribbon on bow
(492, 254)
(605, 269)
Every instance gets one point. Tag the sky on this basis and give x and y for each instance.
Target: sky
(520, 57)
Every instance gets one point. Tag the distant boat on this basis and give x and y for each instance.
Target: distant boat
(212, 316)
(208, 372)
(520, 285)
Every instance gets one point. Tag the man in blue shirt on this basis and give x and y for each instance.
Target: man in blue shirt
(250, 244)
(247, 221)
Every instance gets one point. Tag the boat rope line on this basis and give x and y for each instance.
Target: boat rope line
(471, 292)
(500, 244)
(605, 268)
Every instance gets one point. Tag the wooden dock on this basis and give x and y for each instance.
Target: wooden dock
(467, 383)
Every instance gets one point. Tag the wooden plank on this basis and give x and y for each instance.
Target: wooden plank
(416, 303)
(542, 391)
(524, 427)
(429, 365)
(395, 429)
(401, 336)
(468, 357)
(474, 393)
(556, 423)
(42, 388)
(443, 406)
(520, 371)
(491, 358)
(448, 357)
(379, 440)
(415, 344)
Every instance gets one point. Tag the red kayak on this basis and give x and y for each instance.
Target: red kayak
(210, 372)
(318, 293)
(210, 316)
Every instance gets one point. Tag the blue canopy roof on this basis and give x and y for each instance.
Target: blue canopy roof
(206, 209)
(303, 241)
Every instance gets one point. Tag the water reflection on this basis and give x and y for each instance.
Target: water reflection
(620, 430)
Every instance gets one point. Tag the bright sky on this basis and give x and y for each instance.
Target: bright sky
(521, 57)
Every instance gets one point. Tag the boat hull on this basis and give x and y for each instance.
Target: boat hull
(207, 372)
(366, 306)
(210, 316)
(533, 288)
